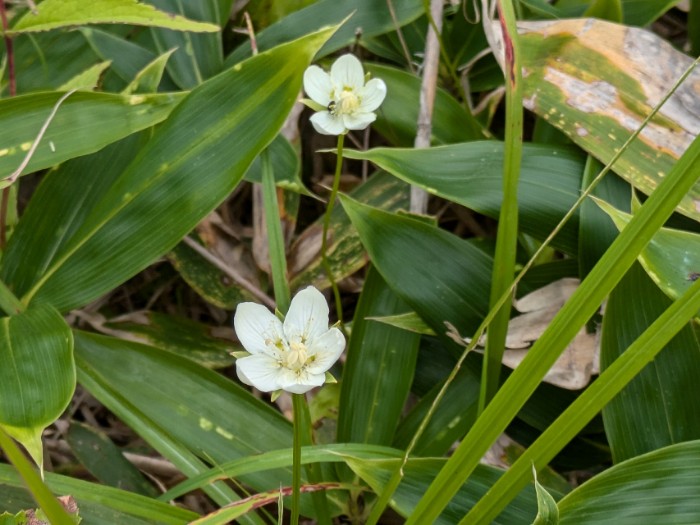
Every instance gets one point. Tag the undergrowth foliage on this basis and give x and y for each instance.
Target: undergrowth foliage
(349, 261)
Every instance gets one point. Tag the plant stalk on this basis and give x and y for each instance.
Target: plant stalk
(326, 224)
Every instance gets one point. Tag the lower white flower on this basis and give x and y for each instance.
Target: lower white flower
(293, 356)
(342, 99)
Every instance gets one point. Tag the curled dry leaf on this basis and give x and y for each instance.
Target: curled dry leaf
(579, 360)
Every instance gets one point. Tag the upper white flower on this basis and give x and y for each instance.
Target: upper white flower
(349, 103)
(292, 356)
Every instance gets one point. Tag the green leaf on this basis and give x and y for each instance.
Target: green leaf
(164, 189)
(197, 57)
(52, 14)
(105, 461)
(213, 285)
(471, 174)
(450, 288)
(148, 78)
(566, 62)
(97, 503)
(547, 511)
(345, 252)
(178, 335)
(285, 165)
(418, 475)
(672, 257)
(379, 369)
(658, 487)
(654, 409)
(84, 123)
(573, 315)
(37, 378)
(201, 410)
(127, 57)
(369, 18)
(87, 80)
(398, 115)
(410, 321)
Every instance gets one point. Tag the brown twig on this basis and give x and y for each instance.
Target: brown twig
(431, 62)
(4, 204)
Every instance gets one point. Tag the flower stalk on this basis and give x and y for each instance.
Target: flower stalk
(326, 224)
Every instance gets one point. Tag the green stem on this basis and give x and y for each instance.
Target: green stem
(278, 258)
(40, 492)
(506, 242)
(326, 224)
(8, 302)
(298, 402)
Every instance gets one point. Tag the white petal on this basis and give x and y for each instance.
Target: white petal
(326, 350)
(372, 95)
(257, 328)
(317, 85)
(260, 371)
(307, 317)
(358, 120)
(327, 124)
(347, 72)
(300, 383)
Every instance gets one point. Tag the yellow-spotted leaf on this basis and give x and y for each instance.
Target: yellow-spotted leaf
(52, 14)
(145, 200)
(84, 123)
(597, 81)
(37, 376)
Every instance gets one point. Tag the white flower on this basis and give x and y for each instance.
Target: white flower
(347, 102)
(292, 356)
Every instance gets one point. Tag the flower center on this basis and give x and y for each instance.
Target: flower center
(346, 104)
(297, 356)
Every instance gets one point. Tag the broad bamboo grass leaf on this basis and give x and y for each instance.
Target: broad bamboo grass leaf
(127, 58)
(164, 189)
(589, 403)
(37, 376)
(419, 472)
(87, 80)
(84, 123)
(104, 460)
(470, 174)
(276, 459)
(149, 77)
(63, 55)
(672, 257)
(629, 70)
(197, 57)
(600, 281)
(187, 413)
(452, 288)
(199, 342)
(397, 117)
(345, 252)
(53, 14)
(453, 418)
(379, 369)
(654, 410)
(213, 285)
(369, 18)
(658, 487)
(97, 503)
